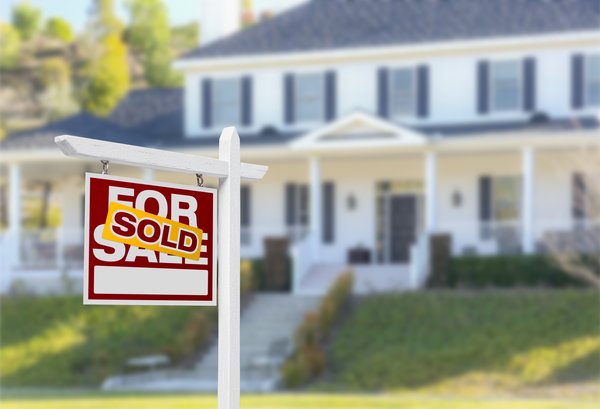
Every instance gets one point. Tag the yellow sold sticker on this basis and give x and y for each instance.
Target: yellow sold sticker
(128, 225)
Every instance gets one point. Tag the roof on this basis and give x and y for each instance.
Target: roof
(337, 24)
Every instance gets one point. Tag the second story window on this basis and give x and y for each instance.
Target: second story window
(505, 85)
(309, 97)
(592, 80)
(226, 101)
(403, 92)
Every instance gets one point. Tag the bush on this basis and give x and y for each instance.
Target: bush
(308, 360)
(507, 271)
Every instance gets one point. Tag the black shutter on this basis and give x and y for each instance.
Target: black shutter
(290, 204)
(578, 196)
(483, 82)
(245, 206)
(288, 98)
(423, 91)
(577, 81)
(247, 100)
(529, 86)
(330, 95)
(206, 103)
(383, 92)
(328, 212)
(485, 205)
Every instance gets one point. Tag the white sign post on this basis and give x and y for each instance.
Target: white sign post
(229, 170)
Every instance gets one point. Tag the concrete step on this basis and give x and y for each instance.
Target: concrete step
(269, 319)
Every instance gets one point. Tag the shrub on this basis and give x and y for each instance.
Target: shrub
(308, 360)
(507, 271)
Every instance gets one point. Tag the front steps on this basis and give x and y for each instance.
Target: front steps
(267, 329)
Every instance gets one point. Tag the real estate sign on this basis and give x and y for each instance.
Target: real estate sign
(149, 243)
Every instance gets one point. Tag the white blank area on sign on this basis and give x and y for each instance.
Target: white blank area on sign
(155, 281)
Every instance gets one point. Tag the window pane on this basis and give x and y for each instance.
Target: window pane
(592, 77)
(505, 85)
(226, 101)
(309, 97)
(403, 92)
(506, 198)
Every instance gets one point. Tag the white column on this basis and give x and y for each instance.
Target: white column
(528, 169)
(430, 192)
(315, 204)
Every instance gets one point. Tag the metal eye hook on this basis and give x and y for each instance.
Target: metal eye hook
(105, 166)
(199, 179)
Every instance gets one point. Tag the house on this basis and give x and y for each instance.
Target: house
(383, 122)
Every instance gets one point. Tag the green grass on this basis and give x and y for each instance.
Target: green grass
(56, 341)
(286, 401)
(469, 343)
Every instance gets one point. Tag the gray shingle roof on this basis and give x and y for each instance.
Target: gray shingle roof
(335, 24)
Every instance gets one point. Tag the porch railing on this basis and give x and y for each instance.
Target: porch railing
(40, 249)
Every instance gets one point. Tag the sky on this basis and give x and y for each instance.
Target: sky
(180, 11)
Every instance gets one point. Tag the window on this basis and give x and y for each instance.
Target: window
(506, 198)
(297, 210)
(403, 92)
(226, 101)
(592, 80)
(505, 85)
(309, 97)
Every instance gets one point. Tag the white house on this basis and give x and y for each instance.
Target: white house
(382, 122)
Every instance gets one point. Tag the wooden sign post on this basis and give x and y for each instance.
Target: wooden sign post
(229, 170)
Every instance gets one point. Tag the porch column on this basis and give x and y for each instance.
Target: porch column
(14, 218)
(430, 192)
(315, 204)
(528, 169)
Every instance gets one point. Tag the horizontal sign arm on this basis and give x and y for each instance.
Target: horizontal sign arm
(152, 158)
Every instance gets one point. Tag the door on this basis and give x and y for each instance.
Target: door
(402, 227)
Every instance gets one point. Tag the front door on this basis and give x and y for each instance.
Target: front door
(402, 227)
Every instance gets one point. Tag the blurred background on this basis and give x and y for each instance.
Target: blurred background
(427, 235)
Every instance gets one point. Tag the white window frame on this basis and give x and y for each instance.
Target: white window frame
(492, 87)
(321, 76)
(216, 105)
(392, 88)
(586, 82)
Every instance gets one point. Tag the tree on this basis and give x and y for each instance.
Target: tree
(27, 20)
(149, 34)
(577, 250)
(106, 73)
(59, 29)
(107, 77)
(10, 46)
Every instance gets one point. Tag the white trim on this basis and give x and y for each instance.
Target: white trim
(441, 47)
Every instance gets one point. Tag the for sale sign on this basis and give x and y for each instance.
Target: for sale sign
(149, 243)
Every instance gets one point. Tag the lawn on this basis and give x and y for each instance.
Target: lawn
(285, 401)
(56, 341)
(479, 343)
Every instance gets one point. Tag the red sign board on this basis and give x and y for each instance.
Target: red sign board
(149, 243)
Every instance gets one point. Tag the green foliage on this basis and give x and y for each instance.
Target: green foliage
(107, 77)
(507, 271)
(10, 46)
(60, 29)
(26, 19)
(56, 341)
(184, 37)
(105, 22)
(308, 360)
(485, 342)
(259, 277)
(55, 72)
(150, 35)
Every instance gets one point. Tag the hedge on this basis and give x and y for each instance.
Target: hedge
(308, 359)
(504, 271)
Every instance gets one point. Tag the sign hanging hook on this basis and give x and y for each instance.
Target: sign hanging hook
(200, 179)
(105, 166)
